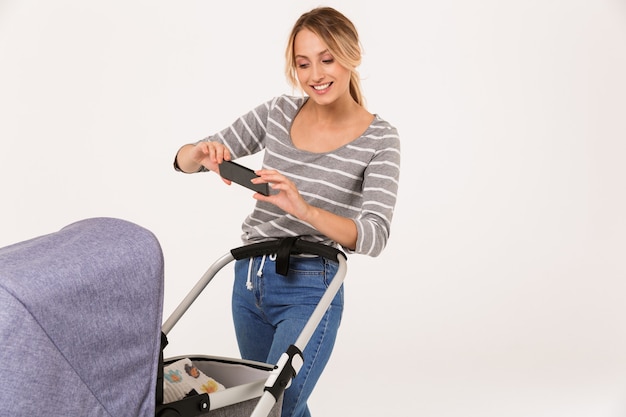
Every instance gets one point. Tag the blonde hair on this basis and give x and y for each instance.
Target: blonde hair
(336, 31)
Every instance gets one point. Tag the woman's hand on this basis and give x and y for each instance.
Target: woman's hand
(287, 198)
(210, 155)
(192, 157)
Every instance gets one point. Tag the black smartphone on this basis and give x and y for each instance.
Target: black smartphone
(242, 176)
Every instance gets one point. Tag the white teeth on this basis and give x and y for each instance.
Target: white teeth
(321, 87)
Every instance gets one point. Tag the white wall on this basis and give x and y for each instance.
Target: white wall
(501, 291)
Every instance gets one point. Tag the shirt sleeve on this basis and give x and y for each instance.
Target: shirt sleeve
(380, 189)
(246, 135)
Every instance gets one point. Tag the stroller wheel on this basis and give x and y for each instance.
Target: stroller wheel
(168, 412)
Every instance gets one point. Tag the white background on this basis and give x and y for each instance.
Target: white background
(501, 292)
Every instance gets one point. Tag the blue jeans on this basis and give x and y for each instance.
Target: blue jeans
(270, 310)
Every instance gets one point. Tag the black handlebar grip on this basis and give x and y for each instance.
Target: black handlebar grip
(298, 247)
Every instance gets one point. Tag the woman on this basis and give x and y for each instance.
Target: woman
(333, 169)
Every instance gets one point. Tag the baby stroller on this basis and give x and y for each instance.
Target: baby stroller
(81, 332)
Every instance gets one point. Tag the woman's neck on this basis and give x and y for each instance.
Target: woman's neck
(340, 110)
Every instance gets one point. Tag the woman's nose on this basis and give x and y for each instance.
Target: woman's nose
(317, 73)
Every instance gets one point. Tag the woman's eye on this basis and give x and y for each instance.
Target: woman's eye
(303, 65)
(328, 61)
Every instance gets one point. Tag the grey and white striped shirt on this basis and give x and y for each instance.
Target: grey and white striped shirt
(358, 180)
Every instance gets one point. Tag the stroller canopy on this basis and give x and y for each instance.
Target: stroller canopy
(80, 321)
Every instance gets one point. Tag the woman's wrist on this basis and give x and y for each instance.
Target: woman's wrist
(185, 167)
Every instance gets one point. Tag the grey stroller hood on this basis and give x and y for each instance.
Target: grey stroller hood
(80, 321)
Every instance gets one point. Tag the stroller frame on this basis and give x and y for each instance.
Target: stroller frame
(291, 360)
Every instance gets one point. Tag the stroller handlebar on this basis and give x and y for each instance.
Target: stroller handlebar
(293, 245)
(281, 247)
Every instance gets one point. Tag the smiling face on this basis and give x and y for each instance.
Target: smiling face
(320, 76)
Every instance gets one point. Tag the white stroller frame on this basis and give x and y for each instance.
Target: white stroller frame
(291, 361)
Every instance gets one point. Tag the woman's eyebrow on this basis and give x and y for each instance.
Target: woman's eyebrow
(325, 51)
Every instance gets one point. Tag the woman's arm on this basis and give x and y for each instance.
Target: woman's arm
(340, 229)
(192, 157)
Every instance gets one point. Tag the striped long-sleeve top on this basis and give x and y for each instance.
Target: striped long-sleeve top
(358, 180)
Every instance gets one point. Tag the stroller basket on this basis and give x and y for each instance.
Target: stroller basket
(252, 388)
(242, 379)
